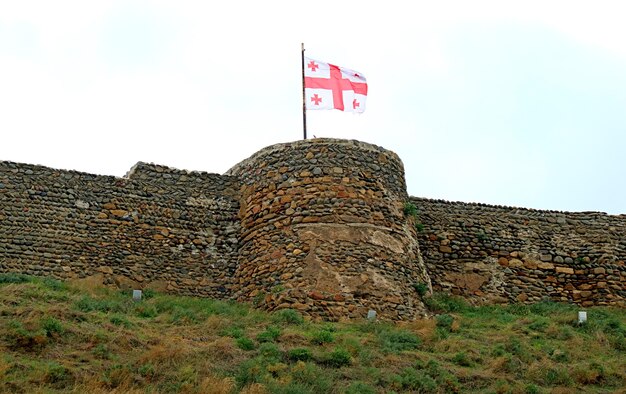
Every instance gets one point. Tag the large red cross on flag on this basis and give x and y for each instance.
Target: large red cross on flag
(327, 86)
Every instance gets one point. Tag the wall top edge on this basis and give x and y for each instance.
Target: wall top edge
(137, 168)
(311, 142)
(484, 206)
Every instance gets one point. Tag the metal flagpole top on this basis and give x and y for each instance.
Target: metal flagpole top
(303, 94)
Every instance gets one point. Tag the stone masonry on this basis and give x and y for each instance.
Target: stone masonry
(323, 231)
(174, 230)
(314, 225)
(503, 254)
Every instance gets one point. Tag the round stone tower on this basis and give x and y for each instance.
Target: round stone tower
(323, 231)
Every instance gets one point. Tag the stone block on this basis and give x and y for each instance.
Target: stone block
(545, 266)
(531, 264)
(300, 306)
(119, 212)
(105, 270)
(445, 249)
(316, 295)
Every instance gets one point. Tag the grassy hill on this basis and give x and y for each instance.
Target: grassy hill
(59, 338)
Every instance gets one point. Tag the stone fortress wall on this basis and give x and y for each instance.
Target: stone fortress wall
(175, 229)
(314, 225)
(325, 221)
(504, 254)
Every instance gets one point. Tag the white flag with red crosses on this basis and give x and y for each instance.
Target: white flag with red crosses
(327, 86)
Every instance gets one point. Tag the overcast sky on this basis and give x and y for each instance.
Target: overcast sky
(484, 101)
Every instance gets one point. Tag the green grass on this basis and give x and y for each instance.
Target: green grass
(55, 338)
(410, 209)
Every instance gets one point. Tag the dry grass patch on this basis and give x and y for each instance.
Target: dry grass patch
(393, 363)
(215, 323)
(95, 387)
(451, 344)
(475, 379)
(169, 352)
(255, 388)
(224, 349)
(216, 385)
(294, 338)
(4, 365)
(92, 285)
(425, 328)
(505, 365)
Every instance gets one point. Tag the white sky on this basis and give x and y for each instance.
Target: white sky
(502, 102)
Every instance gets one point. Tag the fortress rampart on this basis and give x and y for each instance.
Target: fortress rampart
(314, 225)
(173, 229)
(504, 254)
(324, 223)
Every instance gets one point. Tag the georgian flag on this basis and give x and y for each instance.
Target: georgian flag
(327, 86)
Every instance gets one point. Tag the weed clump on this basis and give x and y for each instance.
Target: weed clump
(57, 375)
(244, 343)
(269, 351)
(339, 357)
(15, 278)
(360, 388)
(445, 321)
(52, 326)
(288, 316)
(414, 380)
(104, 305)
(299, 354)
(322, 336)
(120, 320)
(421, 288)
(445, 303)
(270, 334)
(410, 210)
(396, 341)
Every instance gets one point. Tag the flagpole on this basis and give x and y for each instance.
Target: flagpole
(303, 95)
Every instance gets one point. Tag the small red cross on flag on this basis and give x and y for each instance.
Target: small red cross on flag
(327, 86)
